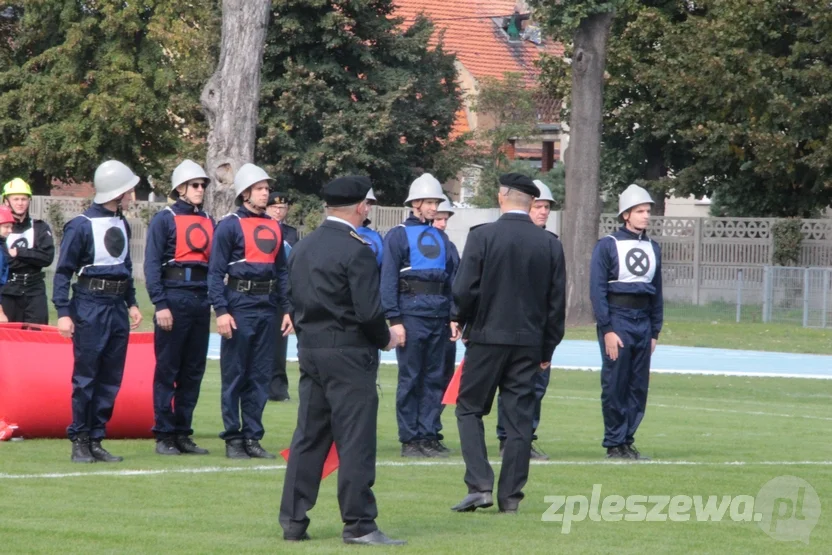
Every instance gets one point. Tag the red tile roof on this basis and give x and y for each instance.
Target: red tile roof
(479, 44)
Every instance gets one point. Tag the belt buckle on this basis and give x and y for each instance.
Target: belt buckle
(244, 289)
(101, 284)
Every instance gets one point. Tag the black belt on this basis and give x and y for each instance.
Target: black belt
(629, 301)
(331, 339)
(26, 279)
(97, 285)
(417, 287)
(252, 287)
(197, 273)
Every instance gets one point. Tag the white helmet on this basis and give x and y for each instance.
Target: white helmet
(633, 196)
(371, 196)
(545, 192)
(424, 187)
(446, 206)
(247, 176)
(113, 179)
(184, 172)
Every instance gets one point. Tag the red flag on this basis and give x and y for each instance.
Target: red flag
(453, 388)
(330, 464)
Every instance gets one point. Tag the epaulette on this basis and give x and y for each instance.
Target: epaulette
(359, 237)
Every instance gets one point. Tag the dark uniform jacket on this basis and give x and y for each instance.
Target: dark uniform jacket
(333, 287)
(35, 251)
(510, 287)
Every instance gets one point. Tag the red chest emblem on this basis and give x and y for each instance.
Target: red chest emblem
(193, 238)
(262, 239)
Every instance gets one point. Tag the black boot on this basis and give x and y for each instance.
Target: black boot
(618, 452)
(166, 446)
(255, 451)
(235, 449)
(412, 449)
(81, 450)
(187, 446)
(634, 454)
(431, 449)
(102, 454)
(537, 454)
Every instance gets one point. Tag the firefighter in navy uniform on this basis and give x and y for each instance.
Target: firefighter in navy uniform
(31, 248)
(539, 213)
(510, 301)
(440, 222)
(626, 294)
(416, 273)
(248, 248)
(340, 325)
(277, 209)
(176, 275)
(371, 236)
(96, 246)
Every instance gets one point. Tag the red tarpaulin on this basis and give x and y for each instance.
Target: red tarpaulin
(330, 464)
(36, 384)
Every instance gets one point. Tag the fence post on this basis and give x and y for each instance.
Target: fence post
(739, 295)
(805, 297)
(825, 298)
(697, 255)
(766, 294)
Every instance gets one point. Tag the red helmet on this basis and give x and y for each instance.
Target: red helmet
(6, 215)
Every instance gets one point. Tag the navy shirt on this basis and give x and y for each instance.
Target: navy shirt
(621, 264)
(161, 251)
(78, 254)
(432, 262)
(228, 257)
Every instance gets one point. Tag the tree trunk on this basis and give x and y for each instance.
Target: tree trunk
(231, 97)
(583, 205)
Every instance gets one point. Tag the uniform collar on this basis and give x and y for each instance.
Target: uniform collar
(99, 209)
(340, 221)
(245, 212)
(631, 234)
(182, 207)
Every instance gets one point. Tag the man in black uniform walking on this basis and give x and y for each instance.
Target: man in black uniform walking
(277, 209)
(333, 287)
(509, 296)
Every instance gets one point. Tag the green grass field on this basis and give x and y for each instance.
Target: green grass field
(707, 435)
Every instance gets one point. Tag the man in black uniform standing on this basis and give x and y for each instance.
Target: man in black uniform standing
(510, 299)
(277, 209)
(333, 287)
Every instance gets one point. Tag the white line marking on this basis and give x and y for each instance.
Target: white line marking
(703, 409)
(394, 464)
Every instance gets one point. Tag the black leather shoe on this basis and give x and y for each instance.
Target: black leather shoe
(236, 449)
(431, 449)
(102, 454)
(187, 446)
(81, 450)
(509, 510)
(441, 447)
(474, 501)
(537, 454)
(412, 449)
(634, 454)
(255, 451)
(618, 452)
(376, 537)
(302, 538)
(167, 446)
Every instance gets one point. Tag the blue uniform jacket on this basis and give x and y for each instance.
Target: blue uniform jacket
(376, 242)
(160, 250)
(604, 276)
(77, 252)
(396, 264)
(229, 247)
(4, 265)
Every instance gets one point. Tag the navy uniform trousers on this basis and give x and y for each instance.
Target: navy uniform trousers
(247, 363)
(99, 345)
(624, 382)
(180, 362)
(421, 378)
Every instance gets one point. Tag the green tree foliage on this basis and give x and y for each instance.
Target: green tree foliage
(723, 98)
(81, 82)
(345, 89)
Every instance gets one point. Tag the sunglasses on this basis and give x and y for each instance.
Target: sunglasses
(199, 185)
